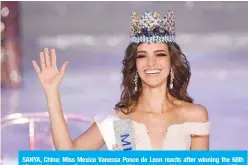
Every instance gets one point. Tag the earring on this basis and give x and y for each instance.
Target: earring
(171, 78)
(136, 82)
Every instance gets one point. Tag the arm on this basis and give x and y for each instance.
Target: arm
(199, 142)
(50, 79)
(89, 140)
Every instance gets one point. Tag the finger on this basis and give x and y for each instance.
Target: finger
(42, 61)
(64, 67)
(48, 62)
(116, 147)
(53, 56)
(62, 72)
(36, 67)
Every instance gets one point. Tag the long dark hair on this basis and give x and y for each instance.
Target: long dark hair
(181, 68)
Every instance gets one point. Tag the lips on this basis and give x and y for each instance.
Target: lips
(153, 72)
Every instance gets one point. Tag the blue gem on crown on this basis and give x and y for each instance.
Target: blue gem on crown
(153, 28)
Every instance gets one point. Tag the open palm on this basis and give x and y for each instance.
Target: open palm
(49, 75)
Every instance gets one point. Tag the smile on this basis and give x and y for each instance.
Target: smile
(152, 72)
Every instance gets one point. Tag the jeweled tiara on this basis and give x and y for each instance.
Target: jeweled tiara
(151, 27)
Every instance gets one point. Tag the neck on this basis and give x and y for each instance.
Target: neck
(154, 100)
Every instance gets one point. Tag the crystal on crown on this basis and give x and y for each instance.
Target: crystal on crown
(142, 29)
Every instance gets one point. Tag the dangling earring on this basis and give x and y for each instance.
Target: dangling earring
(171, 78)
(136, 82)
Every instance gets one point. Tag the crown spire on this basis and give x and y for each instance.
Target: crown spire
(152, 27)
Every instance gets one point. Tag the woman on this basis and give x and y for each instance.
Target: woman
(154, 98)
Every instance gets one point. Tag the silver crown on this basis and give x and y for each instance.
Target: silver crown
(142, 29)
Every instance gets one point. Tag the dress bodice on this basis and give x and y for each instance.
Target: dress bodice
(178, 136)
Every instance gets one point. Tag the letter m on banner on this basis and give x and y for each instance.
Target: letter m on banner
(124, 141)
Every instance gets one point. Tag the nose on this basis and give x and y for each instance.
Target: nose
(151, 61)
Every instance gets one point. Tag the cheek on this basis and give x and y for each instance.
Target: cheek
(165, 64)
(140, 65)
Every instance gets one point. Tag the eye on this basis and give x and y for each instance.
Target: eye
(161, 54)
(140, 56)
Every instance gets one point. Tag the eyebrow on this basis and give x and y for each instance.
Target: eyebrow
(160, 51)
(154, 51)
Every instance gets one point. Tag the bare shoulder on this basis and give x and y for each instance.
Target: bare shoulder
(194, 112)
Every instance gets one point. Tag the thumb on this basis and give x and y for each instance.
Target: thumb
(60, 75)
(63, 68)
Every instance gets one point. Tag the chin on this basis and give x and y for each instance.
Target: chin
(154, 84)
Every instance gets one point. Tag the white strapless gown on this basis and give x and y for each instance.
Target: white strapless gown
(178, 135)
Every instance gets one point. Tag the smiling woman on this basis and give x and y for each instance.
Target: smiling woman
(154, 97)
(150, 65)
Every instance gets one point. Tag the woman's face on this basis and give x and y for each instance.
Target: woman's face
(153, 63)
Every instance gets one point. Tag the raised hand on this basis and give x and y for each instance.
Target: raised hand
(50, 77)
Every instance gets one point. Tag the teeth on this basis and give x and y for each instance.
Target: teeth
(152, 71)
